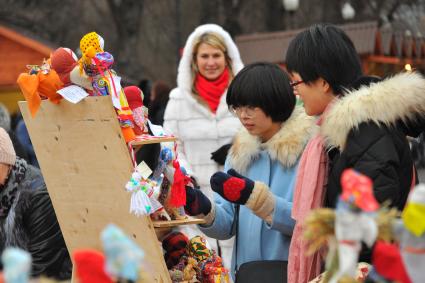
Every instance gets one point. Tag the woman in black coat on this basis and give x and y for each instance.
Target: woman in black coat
(27, 217)
(364, 120)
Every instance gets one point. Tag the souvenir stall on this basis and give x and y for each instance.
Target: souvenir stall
(86, 129)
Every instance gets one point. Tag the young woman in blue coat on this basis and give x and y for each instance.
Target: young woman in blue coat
(261, 167)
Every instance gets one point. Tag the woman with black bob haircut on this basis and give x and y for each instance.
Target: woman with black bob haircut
(261, 168)
(363, 125)
(264, 86)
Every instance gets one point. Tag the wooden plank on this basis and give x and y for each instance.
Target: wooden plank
(86, 164)
(156, 139)
(174, 223)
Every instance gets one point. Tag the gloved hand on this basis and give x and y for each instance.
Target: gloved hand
(232, 186)
(220, 154)
(196, 202)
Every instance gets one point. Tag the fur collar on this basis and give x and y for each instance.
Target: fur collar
(401, 97)
(184, 76)
(285, 146)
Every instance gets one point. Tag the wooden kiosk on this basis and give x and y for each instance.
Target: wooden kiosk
(86, 164)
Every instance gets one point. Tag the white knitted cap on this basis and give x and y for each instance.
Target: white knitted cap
(7, 152)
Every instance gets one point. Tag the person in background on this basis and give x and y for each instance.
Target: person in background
(197, 112)
(363, 125)
(145, 85)
(6, 123)
(27, 218)
(24, 139)
(255, 194)
(160, 94)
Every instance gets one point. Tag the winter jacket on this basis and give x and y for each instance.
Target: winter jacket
(273, 163)
(31, 225)
(199, 131)
(366, 130)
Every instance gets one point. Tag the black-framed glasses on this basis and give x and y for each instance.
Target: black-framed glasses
(295, 83)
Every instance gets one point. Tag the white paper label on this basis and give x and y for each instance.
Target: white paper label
(73, 93)
(144, 170)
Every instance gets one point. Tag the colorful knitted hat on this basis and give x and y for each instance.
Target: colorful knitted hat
(7, 152)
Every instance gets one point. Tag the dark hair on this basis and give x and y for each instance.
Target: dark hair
(162, 91)
(324, 51)
(263, 85)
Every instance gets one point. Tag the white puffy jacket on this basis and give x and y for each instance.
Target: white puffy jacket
(199, 131)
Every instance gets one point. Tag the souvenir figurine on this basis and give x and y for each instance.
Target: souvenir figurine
(40, 82)
(134, 97)
(354, 222)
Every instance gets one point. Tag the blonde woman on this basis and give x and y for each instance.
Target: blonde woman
(197, 112)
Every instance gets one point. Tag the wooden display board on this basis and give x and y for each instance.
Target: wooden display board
(86, 164)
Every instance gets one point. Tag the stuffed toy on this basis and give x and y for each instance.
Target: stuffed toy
(97, 64)
(173, 181)
(90, 267)
(65, 63)
(174, 245)
(143, 201)
(185, 271)
(123, 256)
(134, 97)
(354, 222)
(16, 265)
(40, 82)
(343, 230)
(404, 261)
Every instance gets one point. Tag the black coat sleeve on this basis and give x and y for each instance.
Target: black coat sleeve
(46, 245)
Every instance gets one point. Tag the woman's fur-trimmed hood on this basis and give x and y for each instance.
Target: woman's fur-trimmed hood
(285, 146)
(399, 98)
(184, 76)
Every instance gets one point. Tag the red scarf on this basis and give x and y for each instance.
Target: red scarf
(211, 91)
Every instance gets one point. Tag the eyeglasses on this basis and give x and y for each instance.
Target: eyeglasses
(295, 83)
(248, 110)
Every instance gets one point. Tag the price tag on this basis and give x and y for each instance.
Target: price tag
(144, 170)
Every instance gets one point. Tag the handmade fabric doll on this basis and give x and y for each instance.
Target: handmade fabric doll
(405, 262)
(123, 256)
(65, 63)
(97, 64)
(140, 112)
(353, 222)
(17, 265)
(175, 246)
(143, 200)
(40, 81)
(90, 267)
(411, 234)
(173, 182)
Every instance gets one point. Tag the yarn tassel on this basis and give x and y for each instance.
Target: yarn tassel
(178, 190)
(140, 203)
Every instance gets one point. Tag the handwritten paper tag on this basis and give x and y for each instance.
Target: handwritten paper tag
(73, 93)
(144, 170)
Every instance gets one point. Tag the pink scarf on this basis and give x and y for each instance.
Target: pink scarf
(308, 195)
